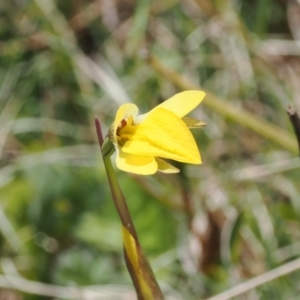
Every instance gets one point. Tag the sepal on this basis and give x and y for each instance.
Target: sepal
(108, 148)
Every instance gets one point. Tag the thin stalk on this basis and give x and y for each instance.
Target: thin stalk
(137, 264)
(295, 120)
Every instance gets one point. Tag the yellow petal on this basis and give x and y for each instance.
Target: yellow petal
(183, 103)
(125, 111)
(180, 104)
(165, 167)
(163, 134)
(143, 165)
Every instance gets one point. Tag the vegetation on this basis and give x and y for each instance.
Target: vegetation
(205, 230)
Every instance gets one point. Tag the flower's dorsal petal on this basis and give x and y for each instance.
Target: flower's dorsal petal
(165, 167)
(163, 134)
(183, 103)
(143, 165)
(193, 123)
(124, 112)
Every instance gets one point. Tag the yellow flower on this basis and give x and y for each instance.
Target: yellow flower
(141, 141)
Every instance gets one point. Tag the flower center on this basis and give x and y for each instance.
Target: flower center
(125, 130)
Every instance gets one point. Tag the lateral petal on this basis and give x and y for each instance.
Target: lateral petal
(138, 164)
(163, 134)
(193, 123)
(165, 167)
(183, 103)
(180, 104)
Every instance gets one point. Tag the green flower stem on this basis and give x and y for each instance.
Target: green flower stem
(137, 264)
(119, 197)
(245, 118)
(117, 194)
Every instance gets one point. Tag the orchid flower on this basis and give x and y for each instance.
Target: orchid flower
(141, 141)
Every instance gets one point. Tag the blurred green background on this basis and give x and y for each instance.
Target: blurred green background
(204, 230)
